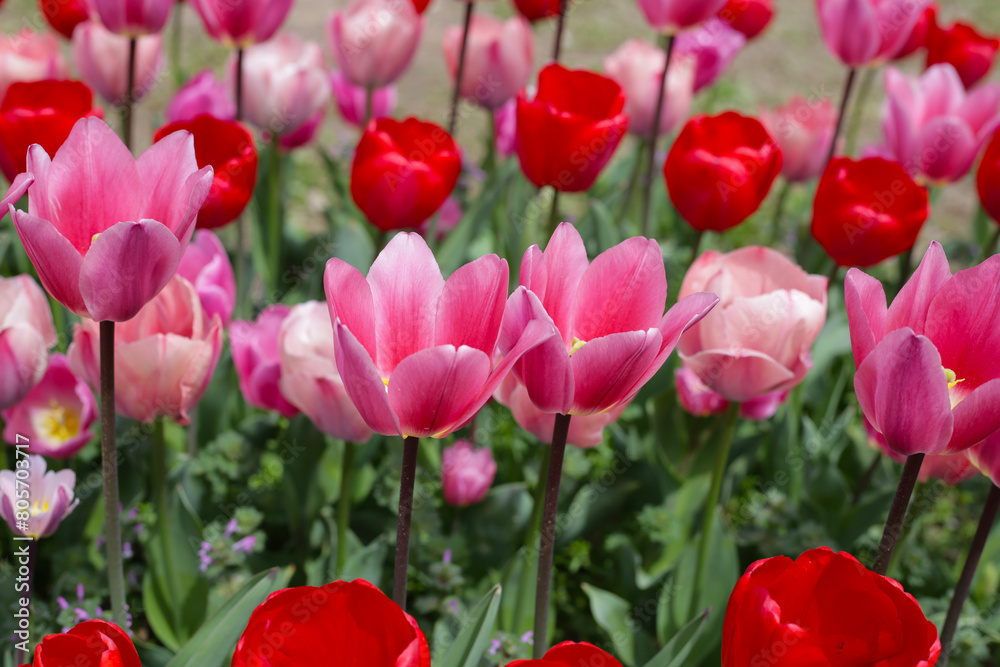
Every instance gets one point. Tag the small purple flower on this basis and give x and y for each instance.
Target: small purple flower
(245, 545)
(446, 559)
(495, 646)
(528, 638)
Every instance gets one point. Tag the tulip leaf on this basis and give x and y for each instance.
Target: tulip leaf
(613, 614)
(467, 649)
(517, 609)
(365, 563)
(680, 646)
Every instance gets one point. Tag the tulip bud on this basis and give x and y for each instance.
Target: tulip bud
(498, 59)
(258, 361)
(466, 473)
(374, 41)
(637, 66)
(202, 94)
(100, 55)
(351, 100)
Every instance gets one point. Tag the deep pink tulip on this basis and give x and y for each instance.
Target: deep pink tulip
(498, 59)
(614, 334)
(306, 132)
(242, 23)
(416, 351)
(202, 94)
(505, 119)
(106, 231)
(258, 359)
(868, 32)
(758, 339)
(206, 265)
(466, 473)
(51, 498)
(26, 335)
(164, 356)
(696, 398)
(374, 41)
(985, 457)
(29, 56)
(952, 469)
(803, 130)
(309, 378)
(637, 66)
(100, 56)
(928, 374)
(132, 18)
(933, 127)
(55, 416)
(713, 46)
(351, 100)
(672, 16)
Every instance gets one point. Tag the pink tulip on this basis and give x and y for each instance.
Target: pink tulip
(933, 127)
(309, 379)
(242, 23)
(637, 66)
(928, 375)
(952, 469)
(614, 334)
(50, 498)
(101, 57)
(868, 32)
(985, 457)
(466, 473)
(417, 352)
(758, 340)
(713, 47)
(498, 59)
(164, 356)
(258, 359)
(374, 41)
(132, 18)
(29, 56)
(444, 220)
(106, 231)
(26, 334)
(202, 94)
(505, 120)
(206, 265)
(55, 416)
(351, 100)
(672, 16)
(305, 134)
(803, 130)
(696, 398)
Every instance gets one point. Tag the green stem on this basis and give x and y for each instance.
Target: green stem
(176, 26)
(991, 246)
(463, 49)
(275, 221)
(779, 211)
(699, 236)
(129, 99)
(535, 525)
(162, 503)
(59, 318)
(844, 101)
(109, 475)
(554, 213)
(857, 114)
(640, 151)
(344, 505)
(667, 43)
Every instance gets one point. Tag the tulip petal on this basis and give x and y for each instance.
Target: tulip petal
(363, 383)
(54, 257)
(175, 187)
(866, 312)
(976, 417)
(909, 308)
(738, 374)
(349, 299)
(555, 275)
(851, 30)
(605, 369)
(472, 305)
(23, 358)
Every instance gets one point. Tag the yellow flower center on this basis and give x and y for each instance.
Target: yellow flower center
(39, 507)
(577, 344)
(57, 423)
(953, 381)
(94, 238)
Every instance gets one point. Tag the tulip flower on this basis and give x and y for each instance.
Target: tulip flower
(242, 23)
(803, 131)
(99, 55)
(536, 10)
(56, 415)
(466, 473)
(672, 16)
(50, 498)
(920, 33)
(421, 5)
(720, 170)
(868, 32)
(824, 608)
(132, 18)
(567, 134)
(29, 56)
(164, 356)
(969, 52)
(305, 134)
(505, 121)
(984, 457)
(928, 378)
(758, 339)
(699, 400)
(498, 59)
(206, 265)
(65, 15)
(93, 642)
(988, 178)
(867, 211)
(26, 335)
(309, 379)
(374, 41)
(713, 46)
(403, 171)
(445, 220)
(952, 469)
(571, 654)
(228, 148)
(933, 127)
(351, 624)
(351, 100)
(637, 67)
(750, 17)
(202, 94)
(258, 359)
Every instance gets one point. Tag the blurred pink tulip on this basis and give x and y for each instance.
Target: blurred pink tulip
(444, 220)
(309, 378)
(258, 359)
(29, 56)
(164, 356)
(202, 94)
(713, 46)
(466, 473)
(928, 374)
(106, 231)
(757, 340)
(868, 32)
(26, 334)
(933, 127)
(56, 415)
(614, 334)
(100, 55)
(672, 16)
(498, 59)
(951, 469)
(374, 41)
(206, 265)
(416, 351)
(305, 134)
(242, 23)
(505, 120)
(696, 398)
(637, 66)
(351, 100)
(803, 131)
(132, 18)
(50, 498)
(985, 457)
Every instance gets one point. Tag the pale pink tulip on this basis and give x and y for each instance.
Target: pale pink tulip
(101, 57)
(132, 18)
(933, 127)
(104, 230)
(29, 56)
(54, 419)
(242, 23)
(351, 100)
(637, 66)
(466, 473)
(374, 41)
(50, 498)
(498, 59)
(206, 265)
(26, 334)
(672, 16)
(202, 94)
(696, 398)
(309, 378)
(803, 130)
(952, 469)
(505, 120)
(258, 359)
(928, 374)
(868, 32)
(713, 46)
(614, 334)
(758, 339)
(416, 351)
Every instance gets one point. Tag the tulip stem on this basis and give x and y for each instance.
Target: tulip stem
(779, 211)
(21, 656)
(630, 189)
(456, 95)
(129, 99)
(161, 503)
(547, 543)
(242, 288)
(991, 246)
(176, 26)
(667, 42)
(699, 236)
(109, 469)
(905, 267)
(894, 522)
(239, 84)
(986, 520)
(554, 213)
(275, 221)
(406, 482)
(560, 29)
(344, 504)
(369, 106)
(854, 129)
(539, 500)
(866, 479)
(852, 75)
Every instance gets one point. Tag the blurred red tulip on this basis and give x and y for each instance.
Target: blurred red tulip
(919, 34)
(971, 53)
(571, 654)
(750, 17)
(89, 643)
(421, 5)
(988, 178)
(536, 10)
(64, 15)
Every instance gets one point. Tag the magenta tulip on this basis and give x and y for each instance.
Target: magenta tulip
(26, 335)
(305, 134)
(868, 32)
(206, 265)
(466, 473)
(672, 16)
(202, 94)
(29, 56)
(985, 457)
(374, 41)
(698, 399)
(498, 59)
(50, 497)
(713, 46)
(505, 120)
(803, 131)
(351, 100)
(258, 359)
(132, 18)
(637, 66)
(100, 55)
(242, 23)
(952, 469)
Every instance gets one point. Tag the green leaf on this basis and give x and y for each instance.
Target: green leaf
(477, 627)
(680, 646)
(613, 614)
(365, 563)
(517, 610)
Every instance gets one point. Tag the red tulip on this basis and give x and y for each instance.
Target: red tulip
(64, 15)
(403, 171)
(89, 643)
(720, 169)
(571, 654)
(988, 178)
(867, 211)
(536, 10)
(567, 134)
(971, 53)
(421, 5)
(748, 16)
(920, 33)
(229, 149)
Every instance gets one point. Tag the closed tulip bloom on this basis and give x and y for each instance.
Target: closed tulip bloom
(536, 10)
(466, 473)
(258, 359)
(637, 66)
(242, 23)
(750, 17)
(421, 5)
(720, 170)
(133, 18)
(803, 131)
(988, 178)
(65, 15)
(202, 94)
(50, 498)
(305, 134)
(571, 654)
(672, 16)
(206, 265)
(928, 379)
(952, 469)
(505, 121)
(699, 400)
(713, 46)
(99, 55)
(568, 133)
(498, 59)
(920, 33)
(26, 335)
(89, 643)
(824, 608)
(969, 52)
(374, 41)
(309, 378)
(56, 415)
(29, 56)
(351, 100)
(868, 32)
